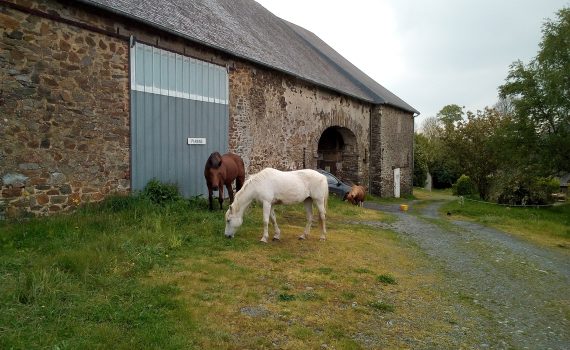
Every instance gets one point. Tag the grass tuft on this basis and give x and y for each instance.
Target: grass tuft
(381, 306)
(325, 270)
(286, 297)
(386, 279)
(362, 270)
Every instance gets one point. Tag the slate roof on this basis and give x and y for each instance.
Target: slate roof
(245, 29)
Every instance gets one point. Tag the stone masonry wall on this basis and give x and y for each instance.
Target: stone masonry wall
(392, 132)
(276, 121)
(64, 115)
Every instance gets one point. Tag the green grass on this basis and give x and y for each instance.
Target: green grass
(386, 279)
(549, 225)
(127, 274)
(77, 280)
(435, 194)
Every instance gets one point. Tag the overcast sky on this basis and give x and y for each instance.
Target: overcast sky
(428, 52)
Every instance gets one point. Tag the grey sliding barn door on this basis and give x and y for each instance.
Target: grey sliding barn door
(179, 115)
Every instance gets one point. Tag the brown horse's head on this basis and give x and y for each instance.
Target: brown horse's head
(212, 171)
(214, 160)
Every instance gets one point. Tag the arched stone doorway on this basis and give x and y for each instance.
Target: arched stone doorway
(338, 153)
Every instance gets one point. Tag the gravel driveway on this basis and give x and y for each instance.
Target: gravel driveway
(516, 294)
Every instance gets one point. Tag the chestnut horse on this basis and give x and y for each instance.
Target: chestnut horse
(223, 170)
(356, 195)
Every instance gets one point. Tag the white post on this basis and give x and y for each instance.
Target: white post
(397, 182)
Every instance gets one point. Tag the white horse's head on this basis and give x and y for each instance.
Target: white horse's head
(233, 221)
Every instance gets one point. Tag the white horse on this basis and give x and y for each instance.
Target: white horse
(270, 187)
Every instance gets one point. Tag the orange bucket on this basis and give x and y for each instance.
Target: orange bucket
(403, 207)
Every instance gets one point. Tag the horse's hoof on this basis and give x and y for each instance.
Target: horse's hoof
(301, 238)
(263, 240)
(276, 239)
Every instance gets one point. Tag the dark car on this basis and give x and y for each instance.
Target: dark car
(336, 186)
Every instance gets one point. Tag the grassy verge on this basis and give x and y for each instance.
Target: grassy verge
(75, 281)
(546, 225)
(129, 274)
(433, 195)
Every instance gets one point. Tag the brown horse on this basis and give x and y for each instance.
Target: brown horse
(356, 195)
(223, 170)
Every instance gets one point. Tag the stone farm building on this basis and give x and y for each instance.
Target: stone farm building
(100, 96)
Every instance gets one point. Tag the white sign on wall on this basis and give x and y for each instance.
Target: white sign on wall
(196, 140)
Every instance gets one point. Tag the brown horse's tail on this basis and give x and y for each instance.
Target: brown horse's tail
(240, 179)
(239, 182)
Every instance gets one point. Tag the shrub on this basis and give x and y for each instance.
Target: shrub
(444, 173)
(522, 190)
(542, 189)
(160, 193)
(464, 186)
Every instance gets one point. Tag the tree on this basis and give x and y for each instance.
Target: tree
(441, 164)
(476, 144)
(420, 160)
(449, 115)
(505, 105)
(540, 92)
(431, 128)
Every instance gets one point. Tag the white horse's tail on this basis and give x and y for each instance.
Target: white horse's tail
(326, 198)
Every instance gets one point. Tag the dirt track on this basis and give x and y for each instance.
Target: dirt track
(513, 294)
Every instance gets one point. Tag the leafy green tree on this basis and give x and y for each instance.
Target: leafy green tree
(476, 144)
(449, 115)
(540, 93)
(441, 164)
(444, 171)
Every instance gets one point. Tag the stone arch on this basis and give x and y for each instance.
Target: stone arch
(337, 152)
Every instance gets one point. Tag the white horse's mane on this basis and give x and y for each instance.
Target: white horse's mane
(254, 178)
